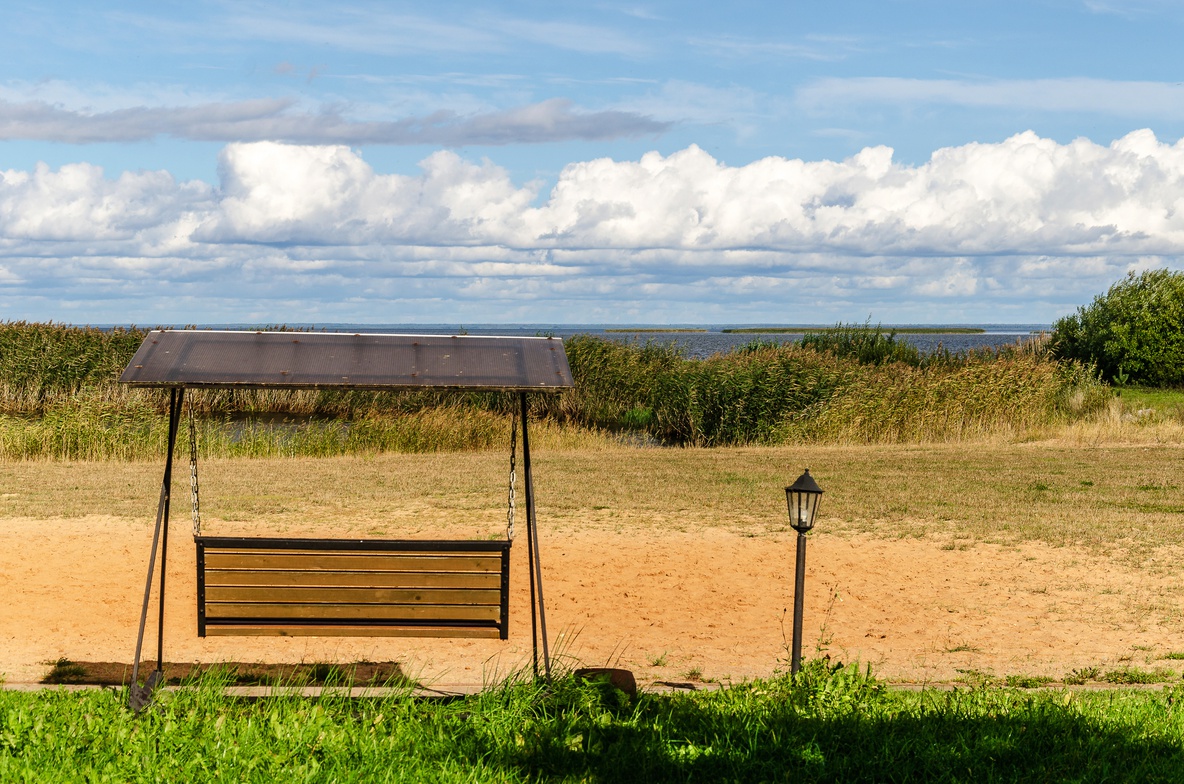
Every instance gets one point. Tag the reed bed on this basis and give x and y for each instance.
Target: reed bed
(90, 431)
(59, 398)
(1011, 395)
(855, 393)
(43, 364)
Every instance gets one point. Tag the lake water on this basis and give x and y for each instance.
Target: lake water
(693, 344)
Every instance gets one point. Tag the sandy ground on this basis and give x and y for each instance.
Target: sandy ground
(667, 605)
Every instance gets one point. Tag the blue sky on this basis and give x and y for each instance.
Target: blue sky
(915, 162)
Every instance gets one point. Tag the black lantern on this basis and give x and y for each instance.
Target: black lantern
(802, 498)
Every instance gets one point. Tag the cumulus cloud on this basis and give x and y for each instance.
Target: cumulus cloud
(274, 193)
(77, 203)
(1025, 195)
(276, 119)
(1028, 224)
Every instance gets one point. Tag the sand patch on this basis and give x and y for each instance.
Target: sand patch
(662, 603)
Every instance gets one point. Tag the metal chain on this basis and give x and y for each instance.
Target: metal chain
(193, 493)
(513, 475)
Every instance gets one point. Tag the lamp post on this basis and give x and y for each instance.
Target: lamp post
(802, 499)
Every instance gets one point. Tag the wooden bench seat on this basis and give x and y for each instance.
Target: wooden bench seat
(352, 587)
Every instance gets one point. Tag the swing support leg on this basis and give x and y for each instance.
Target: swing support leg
(140, 697)
(538, 615)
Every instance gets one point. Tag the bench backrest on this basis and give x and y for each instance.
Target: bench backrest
(352, 587)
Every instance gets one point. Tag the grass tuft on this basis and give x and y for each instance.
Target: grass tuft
(65, 671)
(1027, 681)
(1135, 675)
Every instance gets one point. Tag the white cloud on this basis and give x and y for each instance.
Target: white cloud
(961, 280)
(276, 193)
(816, 49)
(1140, 99)
(1027, 224)
(76, 203)
(277, 119)
(678, 101)
(378, 30)
(1133, 9)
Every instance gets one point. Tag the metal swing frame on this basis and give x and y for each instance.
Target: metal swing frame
(277, 586)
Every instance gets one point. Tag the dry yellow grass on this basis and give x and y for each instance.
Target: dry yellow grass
(1119, 423)
(1115, 496)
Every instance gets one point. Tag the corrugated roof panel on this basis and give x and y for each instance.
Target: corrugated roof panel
(315, 360)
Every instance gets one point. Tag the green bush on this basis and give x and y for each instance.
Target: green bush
(1134, 333)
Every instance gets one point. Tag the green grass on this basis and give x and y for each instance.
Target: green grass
(1160, 403)
(831, 724)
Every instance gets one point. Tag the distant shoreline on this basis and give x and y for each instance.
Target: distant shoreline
(656, 329)
(805, 330)
(576, 329)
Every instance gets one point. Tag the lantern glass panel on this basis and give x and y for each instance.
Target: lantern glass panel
(802, 509)
(811, 503)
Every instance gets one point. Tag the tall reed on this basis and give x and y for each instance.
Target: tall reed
(1007, 395)
(59, 397)
(771, 393)
(42, 364)
(870, 346)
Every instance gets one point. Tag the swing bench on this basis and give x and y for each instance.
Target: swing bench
(346, 587)
(354, 588)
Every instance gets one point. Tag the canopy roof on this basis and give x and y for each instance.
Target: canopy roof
(324, 360)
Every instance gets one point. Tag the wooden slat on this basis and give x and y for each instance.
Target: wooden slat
(309, 594)
(260, 630)
(358, 612)
(226, 577)
(289, 545)
(431, 552)
(401, 562)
